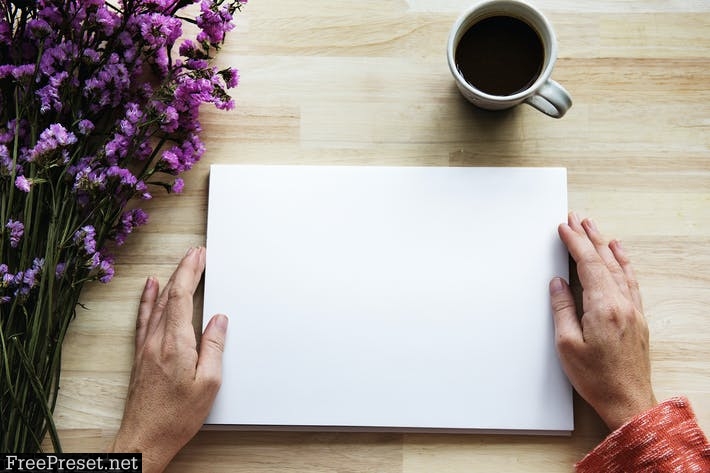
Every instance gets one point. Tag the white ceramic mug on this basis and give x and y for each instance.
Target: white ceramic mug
(544, 93)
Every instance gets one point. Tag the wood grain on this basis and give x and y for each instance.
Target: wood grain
(366, 82)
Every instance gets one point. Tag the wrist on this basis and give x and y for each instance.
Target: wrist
(152, 461)
(622, 412)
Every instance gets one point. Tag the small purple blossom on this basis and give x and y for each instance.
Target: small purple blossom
(133, 113)
(106, 271)
(17, 229)
(5, 161)
(85, 127)
(214, 22)
(49, 94)
(230, 76)
(22, 71)
(189, 49)
(123, 176)
(22, 183)
(102, 267)
(130, 220)
(53, 138)
(85, 239)
(169, 119)
(31, 277)
(108, 20)
(178, 186)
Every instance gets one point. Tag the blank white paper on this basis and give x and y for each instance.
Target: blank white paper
(387, 297)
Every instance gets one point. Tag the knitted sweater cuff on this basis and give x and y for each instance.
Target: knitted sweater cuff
(665, 438)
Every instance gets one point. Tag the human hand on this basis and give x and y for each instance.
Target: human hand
(605, 353)
(172, 385)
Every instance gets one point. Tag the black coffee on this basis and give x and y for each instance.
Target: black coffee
(500, 55)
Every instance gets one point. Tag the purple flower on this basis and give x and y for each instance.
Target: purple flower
(133, 113)
(39, 28)
(49, 94)
(157, 29)
(85, 239)
(178, 186)
(189, 49)
(17, 229)
(214, 22)
(108, 20)
(127, 128)
(109, 85)
(51, 139)
(170, 160)
(106, 271)
(60, 270)
(30, 278)
(21, 71)
(168, 117)
(116, 148)
(5, 161)
(55, 59)
(22, 183)
(101, 267)
(85, 127)
(91, 56)
(142, 190)
(230, 76)
(124, 176)
(129, 220)
(196, 64)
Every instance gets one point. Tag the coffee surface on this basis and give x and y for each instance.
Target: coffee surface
(500, 55)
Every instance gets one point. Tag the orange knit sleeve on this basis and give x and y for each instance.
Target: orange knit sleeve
(664, 439)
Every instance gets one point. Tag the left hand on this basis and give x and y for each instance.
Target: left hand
(173, 385)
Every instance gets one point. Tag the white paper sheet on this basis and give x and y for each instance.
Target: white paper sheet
(387, 297)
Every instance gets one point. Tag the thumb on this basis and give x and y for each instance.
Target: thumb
(209, 364)
(567, 327)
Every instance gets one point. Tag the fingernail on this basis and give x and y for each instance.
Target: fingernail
(574, 218)
(189, 251)
(556, 285)
(221, 321)
(149, 282)
(592, 225)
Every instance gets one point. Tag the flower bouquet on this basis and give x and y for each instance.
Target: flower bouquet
(99, 106)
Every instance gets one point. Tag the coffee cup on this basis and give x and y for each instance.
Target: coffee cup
(501, 53)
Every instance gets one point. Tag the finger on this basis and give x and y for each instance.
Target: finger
(631, 281)
(145, 310)
(574, 223)
(178, 307)
(568, 330)
(593, 272)
(602, 247)
(209, 364)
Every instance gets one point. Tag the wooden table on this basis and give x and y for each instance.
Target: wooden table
(366, 82)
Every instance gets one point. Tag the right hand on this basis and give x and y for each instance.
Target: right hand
(605, 352)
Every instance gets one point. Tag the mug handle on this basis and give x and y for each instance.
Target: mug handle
(551, 99)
